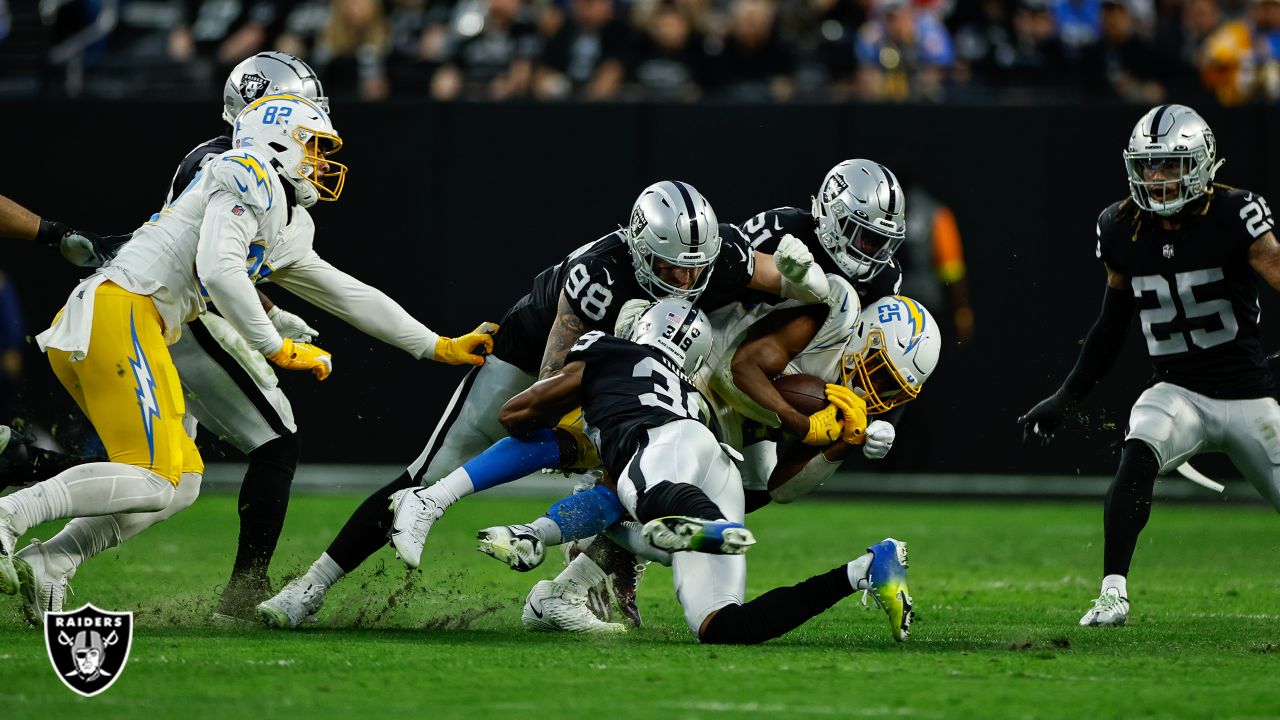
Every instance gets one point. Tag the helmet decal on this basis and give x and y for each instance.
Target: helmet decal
(252, 87)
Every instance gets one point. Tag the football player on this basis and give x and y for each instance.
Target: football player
(671, 471)
(673, 246)
(243, 219)
(1181, 250)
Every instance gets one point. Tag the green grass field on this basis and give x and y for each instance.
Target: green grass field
(998, 589)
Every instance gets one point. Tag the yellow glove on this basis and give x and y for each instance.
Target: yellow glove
(301, 356)
(853, 412)
(468, 349)
(824, 428)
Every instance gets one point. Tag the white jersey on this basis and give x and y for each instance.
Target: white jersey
(822, 357)
(231, 228)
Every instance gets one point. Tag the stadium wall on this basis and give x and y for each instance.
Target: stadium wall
(453, 208)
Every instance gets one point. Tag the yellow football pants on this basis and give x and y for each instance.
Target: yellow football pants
(574, 425)
(128, 386)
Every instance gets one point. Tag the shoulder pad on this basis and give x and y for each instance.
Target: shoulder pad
(249, 176)
(1110, 222)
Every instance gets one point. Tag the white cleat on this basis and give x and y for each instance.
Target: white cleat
(519, 550)
(562, 607)
(1109, 610)
(414, 514)
(42, 591)
(295, 604)
(9, 582)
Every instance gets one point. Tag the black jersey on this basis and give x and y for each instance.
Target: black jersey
(1197, 296)
(765, 231)
(597, 279)
(193, 163)
(628, 389)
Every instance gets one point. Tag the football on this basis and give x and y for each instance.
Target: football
(806, 393)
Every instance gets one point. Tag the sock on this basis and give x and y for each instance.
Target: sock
(858, 570)
(546, 530)
(366, 530)
(776, 612)
(586, 513)
(630, 536)
(667, 498)
(264, 500)
(1116, 582)
(85, 537)
(1128, 506)
(582, 572)
(85, 491)
(324, 572)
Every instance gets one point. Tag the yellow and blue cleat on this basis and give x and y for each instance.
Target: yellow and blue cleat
(716, 537)
(887, 579)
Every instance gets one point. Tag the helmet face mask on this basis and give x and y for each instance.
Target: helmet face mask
(860, 211)
(300, 140)
(270, 73)
(892, 352)
(1170, 160)
(673, 229)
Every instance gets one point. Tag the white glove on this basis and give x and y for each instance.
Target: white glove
(802, 279)
(880, 435)
(291, 326)
(792, 258)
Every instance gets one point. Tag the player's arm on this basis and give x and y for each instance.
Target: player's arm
(545, 402)
(803, 468)
(1264, 257)
(764, 355)
(81, 248)
(790, 272)
(371, 311)
(1098, 353)
(565, 331)
(224, 242)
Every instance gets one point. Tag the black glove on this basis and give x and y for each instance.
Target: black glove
(87, 249)
(51, 233)
(1042, 421)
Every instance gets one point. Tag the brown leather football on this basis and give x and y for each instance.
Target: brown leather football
(806, 393)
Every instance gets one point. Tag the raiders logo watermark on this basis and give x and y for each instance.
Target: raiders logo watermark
(88, 647)
(253, 86)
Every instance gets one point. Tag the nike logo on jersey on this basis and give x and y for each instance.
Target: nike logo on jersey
(608, 279)
(777, 223)
(242, 186)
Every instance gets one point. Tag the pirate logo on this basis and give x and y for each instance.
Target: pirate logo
(835, 186)
(638, 222)
(252, 86)
(88, 647)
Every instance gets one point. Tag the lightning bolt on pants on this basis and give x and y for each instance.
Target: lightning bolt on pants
(128, 386)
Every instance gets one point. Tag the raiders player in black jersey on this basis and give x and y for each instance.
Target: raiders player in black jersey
(645, 412)
(673, 246)
(1181, 250)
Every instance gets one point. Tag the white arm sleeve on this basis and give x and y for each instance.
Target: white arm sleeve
(817, 471)
(366, 308)
(220, 265)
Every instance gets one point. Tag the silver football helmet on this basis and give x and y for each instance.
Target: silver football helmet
(673, 223)
(861, 214)
(1171, 159)
(893, 350)
(676, 329)
(270, 73)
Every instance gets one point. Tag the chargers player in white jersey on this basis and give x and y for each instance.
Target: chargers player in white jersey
(242, 219)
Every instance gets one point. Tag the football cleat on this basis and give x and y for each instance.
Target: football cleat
(716, 537)
(562, 607)
(9, 582)
(519, 550)
(42, 591)
(598, 594)
(626, 580)
(414, 514)
(1109, 610)
(295, 604)
(887, 580)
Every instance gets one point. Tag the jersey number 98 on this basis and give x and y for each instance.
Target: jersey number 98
(594, 303)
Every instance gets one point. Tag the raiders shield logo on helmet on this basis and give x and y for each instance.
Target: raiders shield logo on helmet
(88, 647)
(638, 222)
(253, 86)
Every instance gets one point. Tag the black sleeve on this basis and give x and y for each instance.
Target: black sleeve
(1248, 217)
(1102, 345)
(589, 287)
(736, 263)
(193, 163)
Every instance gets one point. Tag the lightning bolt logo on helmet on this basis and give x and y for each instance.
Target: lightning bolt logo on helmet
(145, 388)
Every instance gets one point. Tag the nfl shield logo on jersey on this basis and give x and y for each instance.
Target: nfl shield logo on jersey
(1168, 251)
(88, 647)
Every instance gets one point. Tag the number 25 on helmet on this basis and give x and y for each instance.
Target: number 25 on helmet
(298, 137)
(892, 352)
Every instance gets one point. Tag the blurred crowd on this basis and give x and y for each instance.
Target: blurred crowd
(749, 50)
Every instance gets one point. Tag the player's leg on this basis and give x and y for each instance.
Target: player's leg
(1165, 429)
(22, 462)
(233, 392)
(1252, 441)
(137, 413)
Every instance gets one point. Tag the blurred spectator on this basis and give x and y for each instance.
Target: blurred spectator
(353, 48)
(1180, 36)
(902, 54)
(1079, 23)
(1039, 56)
(587, 56)
(933, 261)
(821, 35)
(227, 30)
(491, 52)
(671, 61)
(1239, 60)
(753, 64)
(1122, 64)
(984, 38)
